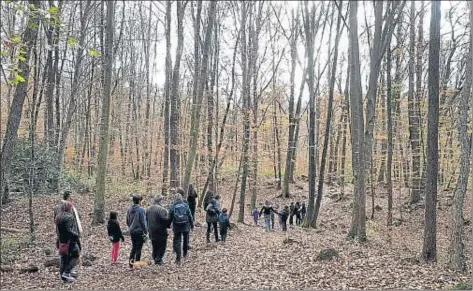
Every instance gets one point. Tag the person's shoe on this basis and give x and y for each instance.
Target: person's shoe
(178, 261)
(67, 278)
(160, 262)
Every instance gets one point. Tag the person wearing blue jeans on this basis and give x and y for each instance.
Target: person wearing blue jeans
(266, 210)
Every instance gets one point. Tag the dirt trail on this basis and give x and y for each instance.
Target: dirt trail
(251, 258)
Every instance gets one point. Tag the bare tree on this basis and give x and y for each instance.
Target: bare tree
(429, 249)
(457, 260)
(99, 202)
(14, 117)
(358, 224)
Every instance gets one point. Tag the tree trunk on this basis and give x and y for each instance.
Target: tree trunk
(292, 123)
(167, 102)
(333, 72)
(196, 109)
(99, 202)
(358, 225)
(14, 117)
(389, 133)
(413, 110)
(457, 259)
(429, 249)
(174, 118)
(246, 108)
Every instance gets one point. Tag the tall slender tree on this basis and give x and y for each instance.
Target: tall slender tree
(429, 248)
(99, 202)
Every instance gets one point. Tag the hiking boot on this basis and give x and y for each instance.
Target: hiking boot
(67, 278)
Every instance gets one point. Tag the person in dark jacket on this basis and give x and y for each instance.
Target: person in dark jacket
(283, 215)
(136, 222)
(303, 211)
(158, 220)
(67, 197)
(266, 210)
(211, 217)
(115, 235)
(192, 199)
(224, 224)
(182, 223)
(297, 213)
(68, 242)
(291, 213)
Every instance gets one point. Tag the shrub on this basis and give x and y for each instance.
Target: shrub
(41, 170)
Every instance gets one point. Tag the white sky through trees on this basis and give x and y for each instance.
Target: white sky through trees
(366, 8)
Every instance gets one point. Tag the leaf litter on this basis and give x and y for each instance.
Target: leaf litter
(250, 259)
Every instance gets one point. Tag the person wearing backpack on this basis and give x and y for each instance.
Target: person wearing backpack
(182, 223)
(211, 218)
(224, 224)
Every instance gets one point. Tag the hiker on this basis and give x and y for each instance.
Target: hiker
(192, 199)
(68, 241)
(211, 218)
(255, 214)
(67, 197)
(303, 211)
(224, 224)
(266, 210)
(115, 235)
(297, 213)
(136, 222)
(158, 220)
(182, 223)
(283, 215)
(272, 217)
(291, 213)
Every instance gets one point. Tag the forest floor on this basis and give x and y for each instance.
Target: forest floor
(251, 258)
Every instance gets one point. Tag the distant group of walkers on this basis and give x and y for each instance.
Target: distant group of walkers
(268, 211)
(152, 223)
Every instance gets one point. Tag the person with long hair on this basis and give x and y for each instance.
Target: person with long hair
(68, 241)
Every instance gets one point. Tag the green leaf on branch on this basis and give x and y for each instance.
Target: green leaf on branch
(53, 10)
(71, 41)
(19, 78)
(93, 52)
(16, 38)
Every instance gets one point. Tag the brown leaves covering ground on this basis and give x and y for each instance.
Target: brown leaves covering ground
(251, 258)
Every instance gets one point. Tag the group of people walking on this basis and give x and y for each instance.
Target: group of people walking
(153, 224)
(269, 212)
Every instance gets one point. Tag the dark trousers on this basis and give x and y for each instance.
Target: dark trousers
(298, 219)
(137, 242)
(192, 208)
(176, 243)
(209, 229)
(159, 248)
(223, 233)
(69, 261)
(291, 219)
(284, 225)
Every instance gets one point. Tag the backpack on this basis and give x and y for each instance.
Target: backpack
(211, 211)
(180, 214)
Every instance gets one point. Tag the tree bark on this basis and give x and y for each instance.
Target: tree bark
(358, 224)
(14, 117)
(99, 201)
(457, 259)
(333, 72)
(429, 249)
